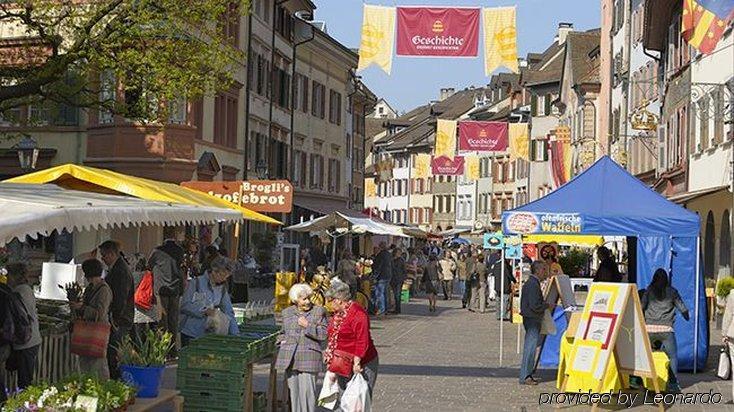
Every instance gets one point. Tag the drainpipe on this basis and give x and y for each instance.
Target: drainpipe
(271, 76)
(248, 68)
(610, 111)
(294, 60)
(628, 47)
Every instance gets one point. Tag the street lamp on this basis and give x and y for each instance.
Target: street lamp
(27, 153)
(262, 169)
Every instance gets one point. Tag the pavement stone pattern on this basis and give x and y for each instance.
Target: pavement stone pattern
(449, 361)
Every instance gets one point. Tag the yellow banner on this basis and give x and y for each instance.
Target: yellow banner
(500, 39)
(471, 163)
(446, 138)
(519, 141)
(422, 166)
(378, 38)
(370, 188)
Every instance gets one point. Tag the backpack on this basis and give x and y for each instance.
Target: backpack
(144, 292)
(15, 325)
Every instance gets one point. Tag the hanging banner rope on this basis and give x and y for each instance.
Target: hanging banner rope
(378, 38)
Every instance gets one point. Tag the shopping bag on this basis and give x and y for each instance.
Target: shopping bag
(144, 293)
(724, 369)
(548, 327)
(356, 397)
(329, 392)
(218, 323)
(90, 339)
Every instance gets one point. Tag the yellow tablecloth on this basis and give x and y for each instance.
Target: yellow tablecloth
(613, 380)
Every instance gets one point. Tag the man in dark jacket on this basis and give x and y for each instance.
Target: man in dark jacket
(122, 309)
(382, 270)
(532, 309)
(398, 277)
(504, 299)
(168, 279)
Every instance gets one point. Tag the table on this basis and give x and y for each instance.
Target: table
(165, 397)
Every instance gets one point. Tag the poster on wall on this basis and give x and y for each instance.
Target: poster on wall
(483, 136)
(495, 241)
(446, 166)
(438, 31)
(550, 223)
(258, 195)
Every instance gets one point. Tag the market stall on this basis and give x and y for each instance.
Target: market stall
(606, 200)
(39, 209)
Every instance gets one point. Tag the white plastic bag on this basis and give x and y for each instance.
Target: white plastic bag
(356, 397)
(329, 392)
(218, 323)
(724, 369)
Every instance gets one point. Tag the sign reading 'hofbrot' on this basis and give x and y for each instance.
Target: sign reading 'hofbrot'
(258, 195)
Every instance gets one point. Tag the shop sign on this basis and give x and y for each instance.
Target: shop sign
(274, 196)
(528, 223)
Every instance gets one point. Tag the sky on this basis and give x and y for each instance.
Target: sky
(416, 81)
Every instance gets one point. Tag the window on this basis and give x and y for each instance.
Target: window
(107, 94)
(335, 107)
(304, 94)
(540, 150)
(703, 115)
(318, 100)
(281, 87)
(334, 176)
(299, 168)
(317, 171)
(229, 24)
(225, 118)
(283, 22)
(725, 241)
(177, 111)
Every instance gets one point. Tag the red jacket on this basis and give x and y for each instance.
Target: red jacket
(354, 334)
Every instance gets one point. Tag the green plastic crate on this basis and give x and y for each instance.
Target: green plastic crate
(228, 362)
(405, 296)
(198, 380)
(207, 402)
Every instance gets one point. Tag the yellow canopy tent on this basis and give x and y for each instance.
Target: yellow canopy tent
(90, 179)
(580, 240)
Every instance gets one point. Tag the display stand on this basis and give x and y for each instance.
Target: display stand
(272, 391)
(611, 308)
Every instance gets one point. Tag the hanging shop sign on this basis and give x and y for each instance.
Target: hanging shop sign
(446, 166)
(259, 195)
(552, 223)
(483, 136)
(437, 32)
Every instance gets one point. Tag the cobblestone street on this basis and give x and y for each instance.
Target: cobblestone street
(449, 361)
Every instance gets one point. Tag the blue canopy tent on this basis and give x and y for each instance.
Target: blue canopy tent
(606, 200)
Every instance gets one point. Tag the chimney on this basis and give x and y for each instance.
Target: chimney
(563, 30)
(446, 93)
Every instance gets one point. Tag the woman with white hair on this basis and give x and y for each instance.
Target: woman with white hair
(350, 348)
(299, 357)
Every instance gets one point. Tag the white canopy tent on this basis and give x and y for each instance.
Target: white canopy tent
(345, 224)
(32, 210)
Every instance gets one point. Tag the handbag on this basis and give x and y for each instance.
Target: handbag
(342, 363)
(90, 339)
(724, 369)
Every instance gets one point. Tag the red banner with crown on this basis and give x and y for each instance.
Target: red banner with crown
(446, 166)
(483, 136)
(438, 32)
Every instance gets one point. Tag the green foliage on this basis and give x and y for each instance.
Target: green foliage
(574, 260)
(264, 246)
(725, 285)
(152, 350)
(110, 394)
(151, 52)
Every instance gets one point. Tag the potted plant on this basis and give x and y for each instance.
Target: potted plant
(142, 361)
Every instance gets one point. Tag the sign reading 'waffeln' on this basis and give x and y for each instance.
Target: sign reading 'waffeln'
(258, 195)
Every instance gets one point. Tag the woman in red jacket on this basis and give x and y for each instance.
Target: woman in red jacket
(350, 348)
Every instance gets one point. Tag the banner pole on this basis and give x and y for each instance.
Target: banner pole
(514, 270)
(697, 303)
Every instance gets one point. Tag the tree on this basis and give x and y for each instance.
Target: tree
(127, 57)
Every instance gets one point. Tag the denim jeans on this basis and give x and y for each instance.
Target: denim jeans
(381, 295)
(532, 335)
(670, 347)
(503, 306)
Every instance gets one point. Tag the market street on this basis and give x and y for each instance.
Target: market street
(449, 361)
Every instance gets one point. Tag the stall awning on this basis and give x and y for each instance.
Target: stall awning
(566, 240)
(32, 210)
(338, 220)
(90, 179)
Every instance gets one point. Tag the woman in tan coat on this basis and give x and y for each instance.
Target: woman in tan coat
(94, 307)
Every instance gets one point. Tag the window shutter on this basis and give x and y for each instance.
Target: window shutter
(534, 105)
(312, 172)
(338, 176)
(548, 98)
